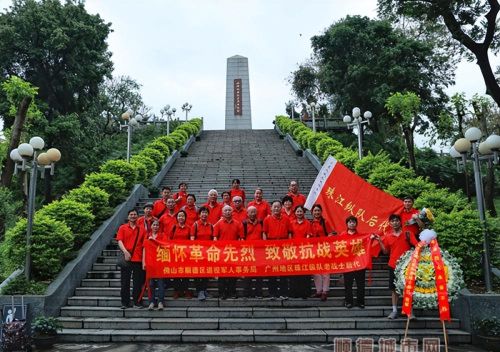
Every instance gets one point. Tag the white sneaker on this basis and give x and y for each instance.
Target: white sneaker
(201, 296)
(151, 306)
(393, 315)
(160, 306)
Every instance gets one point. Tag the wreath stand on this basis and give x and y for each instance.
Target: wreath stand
(445, 334)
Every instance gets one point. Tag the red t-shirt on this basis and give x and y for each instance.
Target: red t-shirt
(191, 214)
(318, 230)
(145, 224)
(228, 231)
(214, 212)
(253, 230)
(290, 216)
(300, 230)
(160, 236)
(406, 216)
(238, 192)
(182, 200)
(201, 231)
(297, 199)
(180, 232)
(263, 209)
(128, 235)
(239, 215)
(159, 208)
(276, 228)
(167, 221)
(397, 244)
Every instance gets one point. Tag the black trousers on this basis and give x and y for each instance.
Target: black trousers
(138, 276)
(181, 285)
(201, 284)
(252, 286)
(300, 286)
(227, 287)
(277, 286)
(349, 278)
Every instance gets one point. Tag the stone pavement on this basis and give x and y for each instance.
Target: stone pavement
(219, 348)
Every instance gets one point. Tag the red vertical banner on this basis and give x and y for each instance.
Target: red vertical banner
(342, 193)
(441, 284)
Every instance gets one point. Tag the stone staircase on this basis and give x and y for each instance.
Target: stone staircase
(258, 159)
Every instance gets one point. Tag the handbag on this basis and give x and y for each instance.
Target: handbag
(122, 262)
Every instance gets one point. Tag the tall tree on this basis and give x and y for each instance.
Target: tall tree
(472, 23)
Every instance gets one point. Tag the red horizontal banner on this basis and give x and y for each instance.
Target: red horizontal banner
(256, 258)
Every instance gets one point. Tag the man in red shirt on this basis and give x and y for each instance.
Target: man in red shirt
(180, 196)
(263, 208)
(293, 191)
(130, 239)
(160, 206)
(215, 209)
(396, 242)
(252, 229)
(202, 230)
(239, 211)
(228, 229)
(146, 220)
(168, 219)
(277, 227)
(409, 216)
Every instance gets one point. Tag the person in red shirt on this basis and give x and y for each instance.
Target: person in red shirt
(320, 227)
(252, 230)
(226, 199)
(293, 191)
(358, 275)
(191, 210)
(239, 211)
(181, 231)
(228, 229)
(277, 227)
(215, 209)
(236, 190)
(130, 239)
(409, 216)
(397, 240)
(168, 219)
(160, 206)
(202, 230)
(155, 297)
(180, 196)
(300, 285)
(287, 211)
(263, 208)
(146, 220)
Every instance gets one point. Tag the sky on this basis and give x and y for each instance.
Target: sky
(177, 50)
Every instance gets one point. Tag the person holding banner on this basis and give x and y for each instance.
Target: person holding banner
(320, 227)
(252, 230)
(202, 230)
(277, 227)
(130, 239)
(154, 297)
(359, 275)
(263, 208)
(396, 242)
(181, 231)
(228, 229)
(300, 285)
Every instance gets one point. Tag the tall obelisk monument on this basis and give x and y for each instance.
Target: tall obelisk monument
(238, 112)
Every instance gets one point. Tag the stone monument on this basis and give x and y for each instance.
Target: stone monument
(238, 112)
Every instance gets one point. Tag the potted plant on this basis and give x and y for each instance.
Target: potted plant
(487, 331)
(45, 331)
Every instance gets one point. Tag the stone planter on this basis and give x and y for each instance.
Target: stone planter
(490, 343)
(43, 342)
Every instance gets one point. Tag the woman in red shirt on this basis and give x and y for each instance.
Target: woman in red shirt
(300, 286)
(191, 210)
(321, 228)
(180, 231)
(287, 210)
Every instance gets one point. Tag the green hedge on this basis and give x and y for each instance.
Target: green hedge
(168, 141)
(155, 155)
(160, 146)
(112, 183)
(148, 163)
(96, 198)
(123, 169)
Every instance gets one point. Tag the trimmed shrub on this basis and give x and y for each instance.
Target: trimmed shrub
(178, 139)
(95, 197)
(75, 215)
(168, 141)
(302, 138)
(365, 166)
(123, 169)
(333, 150)
(410, 186)
(181, 132)
(284, 123)
(459, 232)
(112, 183)
(385, 174)
(299, 127)
(348, 157)
(155, 155)
(442, 201)
(51, 245)
(148, 163)
(142, 172)
(161, 147)
(21, 286)
(313, 140)
(190, 128)
(324, 144)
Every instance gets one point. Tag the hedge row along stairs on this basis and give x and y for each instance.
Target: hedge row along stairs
(257, 158)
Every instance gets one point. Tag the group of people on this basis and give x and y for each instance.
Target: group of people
(177, 217)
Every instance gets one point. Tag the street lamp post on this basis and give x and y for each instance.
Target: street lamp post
(358, 121)
(187, 108)
(130, 123)
(489, 150)
(312, 108)
(28, 157)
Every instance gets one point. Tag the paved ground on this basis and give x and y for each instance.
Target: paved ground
(216, 348)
